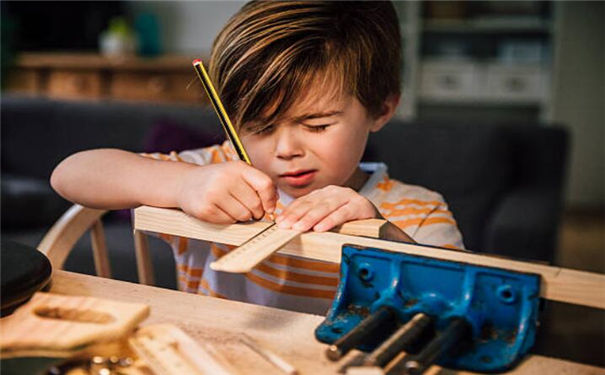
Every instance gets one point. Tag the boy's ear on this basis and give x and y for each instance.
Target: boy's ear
(388, 110)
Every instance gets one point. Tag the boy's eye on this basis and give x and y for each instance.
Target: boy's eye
(265, 130)
(317, 128)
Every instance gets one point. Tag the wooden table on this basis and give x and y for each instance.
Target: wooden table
(218, 321)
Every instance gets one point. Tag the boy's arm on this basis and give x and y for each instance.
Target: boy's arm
(112, 179)
(115, 179)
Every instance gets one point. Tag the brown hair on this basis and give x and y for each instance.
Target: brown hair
(269, 52)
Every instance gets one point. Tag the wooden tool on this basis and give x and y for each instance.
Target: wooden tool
(167, 350)
(255, 250)
(52, 325)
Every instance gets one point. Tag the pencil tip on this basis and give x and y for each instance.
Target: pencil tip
(196, 61)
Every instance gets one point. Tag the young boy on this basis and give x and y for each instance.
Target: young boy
(304, 83)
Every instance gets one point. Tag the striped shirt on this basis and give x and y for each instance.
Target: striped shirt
(295, 283)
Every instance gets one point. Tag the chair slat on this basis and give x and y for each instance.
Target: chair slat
(144, 265)
(99, 250)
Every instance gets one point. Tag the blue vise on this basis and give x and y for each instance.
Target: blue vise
(458, 315)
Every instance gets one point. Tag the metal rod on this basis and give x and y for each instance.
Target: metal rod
(355, 336)
(399, 341)
(456, 330)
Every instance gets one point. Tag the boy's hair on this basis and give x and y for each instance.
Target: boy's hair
(270, 52)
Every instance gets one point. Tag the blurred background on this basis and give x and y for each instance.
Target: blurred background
(79, 75)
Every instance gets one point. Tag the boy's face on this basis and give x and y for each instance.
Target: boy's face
(319, 142)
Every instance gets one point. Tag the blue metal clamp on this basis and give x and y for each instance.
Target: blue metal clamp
(501, 306)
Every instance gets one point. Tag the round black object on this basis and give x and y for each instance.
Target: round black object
(24, 271)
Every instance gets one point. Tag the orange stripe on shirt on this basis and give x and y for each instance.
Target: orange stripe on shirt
(424, 221)
(175, 155)
(297, 277)
(391, 206)
(218, 252)
(191, 271)
(215, 156)
(288, 289)
(228, 151)
(183, 242)
(288, 261)
(385, 185)
(204, 284)
(415, 211)
(189, 284)
(304, 264)
(438, 220)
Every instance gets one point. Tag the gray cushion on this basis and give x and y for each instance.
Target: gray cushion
(469, 165)
(29, 202)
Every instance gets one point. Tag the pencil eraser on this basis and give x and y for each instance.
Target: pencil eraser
(196, 61)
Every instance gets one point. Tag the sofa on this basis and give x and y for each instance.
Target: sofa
(503, 182)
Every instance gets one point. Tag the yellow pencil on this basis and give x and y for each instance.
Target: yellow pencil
(220, 111)
(222, 114)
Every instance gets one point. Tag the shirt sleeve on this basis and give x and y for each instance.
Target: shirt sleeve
(202, 156)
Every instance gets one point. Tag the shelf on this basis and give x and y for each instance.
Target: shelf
(86, 61)
(488, 25)
(480, 101)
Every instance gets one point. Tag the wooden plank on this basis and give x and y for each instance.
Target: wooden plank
(289, 334)
(558, 284)
(184, 225)
(170, 351)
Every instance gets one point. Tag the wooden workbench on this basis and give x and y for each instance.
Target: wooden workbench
(218, 321)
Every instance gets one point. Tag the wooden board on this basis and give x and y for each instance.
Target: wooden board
(219, 322)
(168, 350)
(558, 284)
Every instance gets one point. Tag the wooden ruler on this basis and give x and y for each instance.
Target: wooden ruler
(255, 250)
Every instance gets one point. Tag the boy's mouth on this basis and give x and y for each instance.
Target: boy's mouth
(299, 178)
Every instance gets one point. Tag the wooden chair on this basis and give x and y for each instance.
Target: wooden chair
(75, 222)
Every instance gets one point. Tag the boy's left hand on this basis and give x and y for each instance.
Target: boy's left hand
(323, 209)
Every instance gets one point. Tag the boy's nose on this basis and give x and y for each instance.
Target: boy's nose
(287, 144)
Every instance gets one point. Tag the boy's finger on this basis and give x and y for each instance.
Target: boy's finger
(249, 198)
(262, 184)
(335, 218)
(301, 205)
(215, 215)
(317, 214)
(294, 212)
(234, 208)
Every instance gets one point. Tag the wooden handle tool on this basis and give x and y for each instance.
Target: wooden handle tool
(52, 325)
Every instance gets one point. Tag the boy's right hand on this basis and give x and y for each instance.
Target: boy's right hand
(227, 192)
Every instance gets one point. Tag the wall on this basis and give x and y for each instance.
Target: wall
(187, 27)
(579, 97)
(578, 88)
